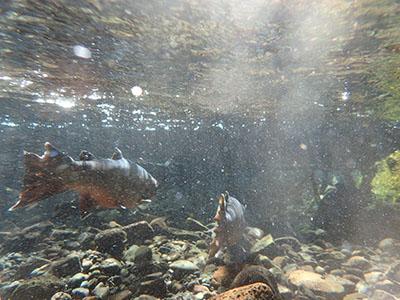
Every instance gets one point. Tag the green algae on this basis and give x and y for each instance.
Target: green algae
(386, 183)
(385, 77)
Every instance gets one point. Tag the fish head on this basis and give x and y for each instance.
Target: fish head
(230, 210)
(221, 210)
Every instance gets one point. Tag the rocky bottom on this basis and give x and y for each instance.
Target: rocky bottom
(151, 260)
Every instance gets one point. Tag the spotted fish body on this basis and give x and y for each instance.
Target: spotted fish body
(107, 183)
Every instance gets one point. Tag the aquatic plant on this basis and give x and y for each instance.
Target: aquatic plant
(386, 183)
(386, 75)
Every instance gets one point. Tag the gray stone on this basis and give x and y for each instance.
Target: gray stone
(138, 232)
(62, 234)
(358, 262)
(66, 266)
(143, 255)
(373, 277)
(76, 280)
(101, 291)
(355, 296)
(388, 245)
(182, 268)
(184, 265)
(111, 241)
(123, 295)
(38, 288)
(388, 286)
(80, 292)
(293, 242)
(265, 246)
(130, 253)
(394, 272)
(86, 240)
(382, 295)
(110, 266)
(327, 286)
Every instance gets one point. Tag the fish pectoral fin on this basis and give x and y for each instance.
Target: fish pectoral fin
(86, 204)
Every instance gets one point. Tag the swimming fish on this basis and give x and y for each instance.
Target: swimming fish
(230, 224)
(108, 183)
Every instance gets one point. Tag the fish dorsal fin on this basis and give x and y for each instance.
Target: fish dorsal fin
(117, 154)
(86, 155)
(51, 151)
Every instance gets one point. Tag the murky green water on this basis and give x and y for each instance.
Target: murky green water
(291, 106)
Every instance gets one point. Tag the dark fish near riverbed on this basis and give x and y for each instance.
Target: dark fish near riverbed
(107, 183)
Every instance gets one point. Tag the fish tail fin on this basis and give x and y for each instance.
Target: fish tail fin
(40, 181)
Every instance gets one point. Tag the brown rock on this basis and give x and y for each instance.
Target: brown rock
(352, 277)
(388, 245)
(223, 276)
(280, 261)
(138, 232)
(197, 288)
(373, 277)
(382, 295)
(124, 295)
(355, 296)
(326, 287)
(358, 262)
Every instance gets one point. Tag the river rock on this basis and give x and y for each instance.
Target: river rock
(293, 242)
(62, 234)
(265, 246)
(38, 288)
(66, 266)
(388, 245)
(110, 266)
(80, 292)
(326, 287)
(358, 262)
(130, 253)
(123, 295)
(183, 267)
(382, 295)
(138, 232)
(101, 291)
(355, 296)
(373, 277)
(86, 240)
(76, 280)
(388, 286)
(155, 287)
(143, 255)
(111, 241)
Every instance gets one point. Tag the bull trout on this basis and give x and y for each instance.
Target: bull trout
(108, 183)
(230, 224)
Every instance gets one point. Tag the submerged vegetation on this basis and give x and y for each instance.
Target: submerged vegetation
(386, 183)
